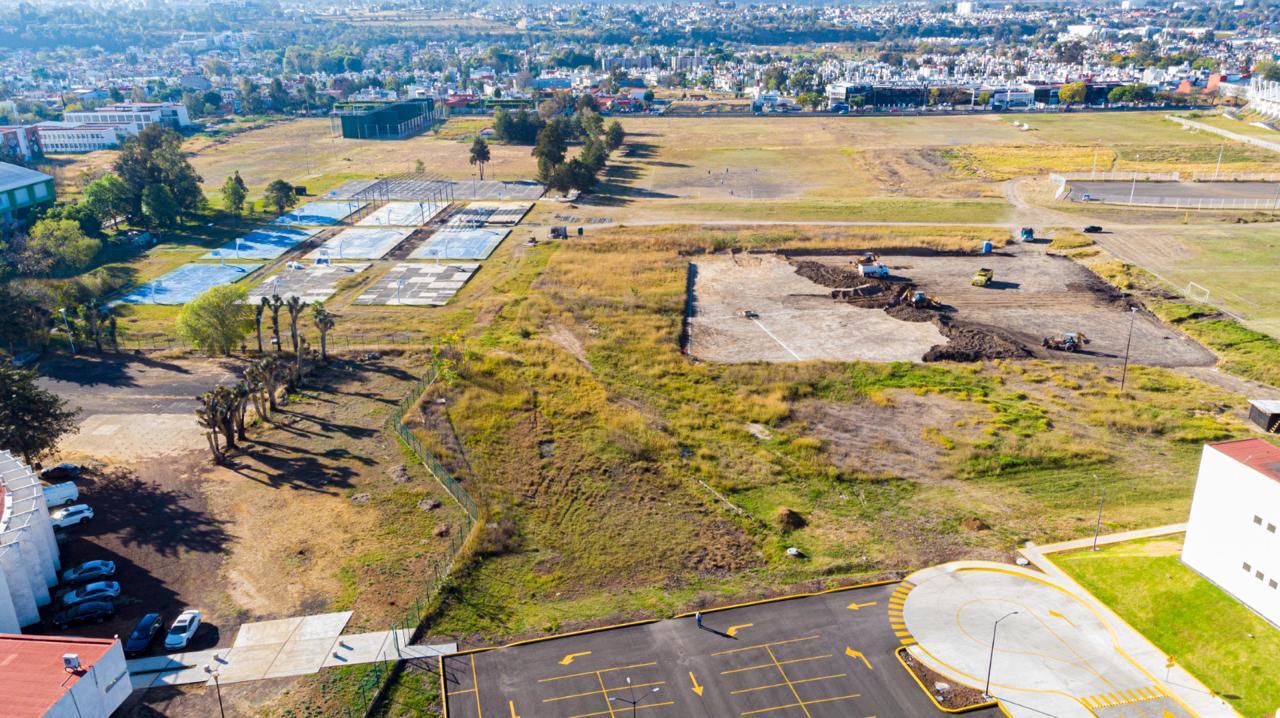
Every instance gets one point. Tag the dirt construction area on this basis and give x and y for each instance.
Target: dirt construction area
(767, 307)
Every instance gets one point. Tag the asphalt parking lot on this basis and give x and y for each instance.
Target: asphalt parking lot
(1170, 192)
(129, 384)
(824, 656)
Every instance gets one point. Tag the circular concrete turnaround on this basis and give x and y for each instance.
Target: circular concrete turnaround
(1053, 653)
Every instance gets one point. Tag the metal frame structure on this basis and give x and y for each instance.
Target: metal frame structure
(405, 187)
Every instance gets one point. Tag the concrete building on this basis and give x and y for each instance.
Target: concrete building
(59, 677)
(71, 137)
(134, 116)
(1233, 539)
(19, 141)
(1264, 97)
(29, 559)
(22, 189)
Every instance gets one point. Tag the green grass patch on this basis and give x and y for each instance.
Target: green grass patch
(871, 209)
(1224, 644)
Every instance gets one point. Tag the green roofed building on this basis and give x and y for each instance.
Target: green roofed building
(384, 120)
(22, 189)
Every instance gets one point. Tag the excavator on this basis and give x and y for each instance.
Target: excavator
(920, 300)
(1069, 342)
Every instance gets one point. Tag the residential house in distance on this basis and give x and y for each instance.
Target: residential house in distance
(57, 676)
(22, 189)
(1233, 535)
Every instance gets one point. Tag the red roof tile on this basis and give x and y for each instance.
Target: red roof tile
(32, 678)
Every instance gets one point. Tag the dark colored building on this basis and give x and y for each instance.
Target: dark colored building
(384, 120)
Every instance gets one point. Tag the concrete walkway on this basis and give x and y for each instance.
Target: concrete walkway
(275, 649)
(1189, 690)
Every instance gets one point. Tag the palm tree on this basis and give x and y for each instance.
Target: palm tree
(257, 318)
(324, 321)
(276, 303)
(295, 305)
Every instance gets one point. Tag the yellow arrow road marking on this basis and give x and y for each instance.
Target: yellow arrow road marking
(855, 605)
(512, 706)
(696, 688)
(857, 656)
(1055, 614)
(569, 658)
(733, 630)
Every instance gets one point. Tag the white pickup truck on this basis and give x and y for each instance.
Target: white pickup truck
(59, 494)
(874, 269)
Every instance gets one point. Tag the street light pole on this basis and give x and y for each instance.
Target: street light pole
(217, 687)
(1102, 497)
(991, 657)
(70, 340)
(1124, 373)
(633, 701)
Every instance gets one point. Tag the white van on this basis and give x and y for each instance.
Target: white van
(59, 494)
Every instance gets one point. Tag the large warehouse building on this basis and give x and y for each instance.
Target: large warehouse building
(22, 189)
(28, 550)
(1233, 535)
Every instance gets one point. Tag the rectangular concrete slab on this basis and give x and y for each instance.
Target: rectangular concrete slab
(403, 214)
(360, 243)
(319, 214)
(309, 282)
(459, 242)
(324, 625)
(265, 243)
(248, 663)
(299, 657)
(187, 282)
(417, 284)
(264, 632)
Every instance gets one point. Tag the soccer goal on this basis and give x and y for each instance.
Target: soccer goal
(1197, 293)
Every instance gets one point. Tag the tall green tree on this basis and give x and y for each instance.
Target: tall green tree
(159, 207)
(233, 194)
(280, 194)
(62, 246)
(216, 321)
(155, 157)
(552, 144)
(1072, 93)
(324, 321)
(32, 420)
(108, 197)
(480, 154)
(614, 136)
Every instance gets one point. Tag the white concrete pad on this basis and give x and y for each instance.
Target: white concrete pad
(324, 625)
(309, 282)
(261, 632)
(299, 657)
(403, 214)
(360, 243)
(248, 663)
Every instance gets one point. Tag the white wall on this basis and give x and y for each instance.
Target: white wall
(99, 691)
(1235, 521)
(29, 558)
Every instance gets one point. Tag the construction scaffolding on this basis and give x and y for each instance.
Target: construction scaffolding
(425, 188)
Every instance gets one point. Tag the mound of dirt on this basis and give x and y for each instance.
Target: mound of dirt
(908, 313)
(849, 285)
(967, 341)
(789, 520)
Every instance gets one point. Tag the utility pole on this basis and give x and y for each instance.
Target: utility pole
(1124, 373)
(1102, 497)
(218, 687)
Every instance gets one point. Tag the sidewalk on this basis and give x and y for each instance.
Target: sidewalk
(1154, 661)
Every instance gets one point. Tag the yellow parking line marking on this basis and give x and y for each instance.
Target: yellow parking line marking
(908, 641)
(857, 656)
(512, 706)
(775, 663)
(606, 691)
(460, 692)
(788, 680)
(642, 706)
(762, 645)
(602, 670)
(801, 705)
(779, 685)
(475, 686)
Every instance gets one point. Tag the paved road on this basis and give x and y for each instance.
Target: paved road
(809, 657)
(127, 384)
(1119, 191)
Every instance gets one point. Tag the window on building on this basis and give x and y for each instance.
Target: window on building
(1272, 583)
(1271, 528)
(1247, 568)
(42, 191)
(1257, 520)
(1257, 575)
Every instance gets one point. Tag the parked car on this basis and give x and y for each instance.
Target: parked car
(97, 591)
(71, 516)
(143, 634)
(95, 611)
(59, 494)
(23, 360)
(89, 571)
(183, 630)
(1092, 229)
(61, 472)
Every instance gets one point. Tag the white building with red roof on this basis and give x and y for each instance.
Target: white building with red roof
(60, 677)
(1233, 535)
(29, 560)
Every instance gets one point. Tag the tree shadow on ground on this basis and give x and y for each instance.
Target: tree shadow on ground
(104, 369)
(145, 514)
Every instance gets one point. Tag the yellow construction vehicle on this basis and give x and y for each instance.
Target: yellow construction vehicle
(983, 277)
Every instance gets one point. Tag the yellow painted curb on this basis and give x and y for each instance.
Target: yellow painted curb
(977, 706)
